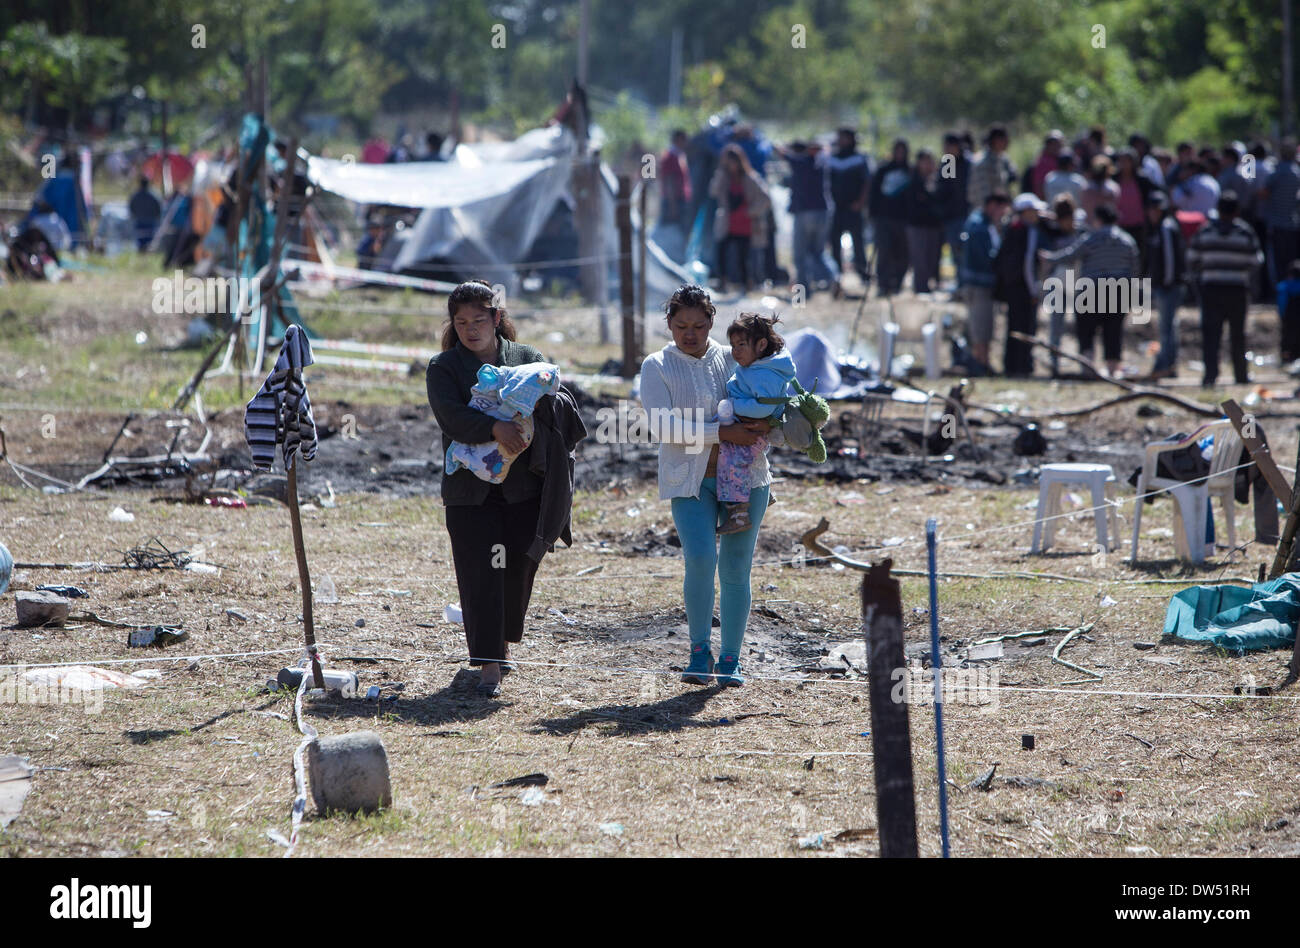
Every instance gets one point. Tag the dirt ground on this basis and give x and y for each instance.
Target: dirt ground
(1158, 758)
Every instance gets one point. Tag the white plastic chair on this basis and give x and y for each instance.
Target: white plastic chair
(1052, 481)
(1192, 500)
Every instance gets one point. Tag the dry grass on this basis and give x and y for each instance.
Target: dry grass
(625, 746)
(683, 770)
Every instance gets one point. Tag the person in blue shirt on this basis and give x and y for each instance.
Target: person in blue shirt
(764, 369)
(1288, 311)
(63, 194)
(810, 206)
(850, 187)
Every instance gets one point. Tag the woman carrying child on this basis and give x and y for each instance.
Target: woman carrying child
(681, 388)
(491, 526)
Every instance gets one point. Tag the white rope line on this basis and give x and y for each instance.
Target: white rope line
(152, 659)
(966, 538)
(300, 783)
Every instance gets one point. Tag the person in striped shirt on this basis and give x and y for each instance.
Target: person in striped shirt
(1104, 254)
(1223, 256)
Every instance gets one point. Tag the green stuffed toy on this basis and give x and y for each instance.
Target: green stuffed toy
(805, 415)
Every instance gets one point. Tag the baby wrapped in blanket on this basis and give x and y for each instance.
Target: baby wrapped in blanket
(509, 393)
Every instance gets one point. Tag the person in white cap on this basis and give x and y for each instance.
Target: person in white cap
(1016, 265)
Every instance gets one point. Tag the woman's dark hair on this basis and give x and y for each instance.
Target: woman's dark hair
(735, 151)
(1064, 206)
(690, 296)
(754, 327)
(1106, 214)
(474, 293)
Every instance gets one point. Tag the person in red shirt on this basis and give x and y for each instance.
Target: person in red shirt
(674, 197)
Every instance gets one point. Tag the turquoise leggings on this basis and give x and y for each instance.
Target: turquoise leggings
(697, 520)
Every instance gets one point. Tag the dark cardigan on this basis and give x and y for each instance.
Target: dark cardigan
(448, 379)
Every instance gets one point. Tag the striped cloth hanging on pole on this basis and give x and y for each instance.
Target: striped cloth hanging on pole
(280, 412)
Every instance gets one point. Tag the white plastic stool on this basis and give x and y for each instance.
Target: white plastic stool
(1054, 478)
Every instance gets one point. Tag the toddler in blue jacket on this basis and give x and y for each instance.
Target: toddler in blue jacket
(764, 370)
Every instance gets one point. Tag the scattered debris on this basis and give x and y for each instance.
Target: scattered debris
(453, 614)
(15, 784)
(158, 635)
(611, 829)
(325, 591)
(82, 678)
(37, 609)
(1144, 646)
(1027, 742)
(532, 796)
(991, 651)
(1145, 743)
(345, 683)
(154, 554)
(118, 515)
(1056, 657)
(527, 780)
(71, 592)
(815, 841)
(236, 615)
(985, 781)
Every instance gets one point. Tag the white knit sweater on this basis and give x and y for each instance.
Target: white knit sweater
(690, 389)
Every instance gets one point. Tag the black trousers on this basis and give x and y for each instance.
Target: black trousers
(1219, 305)
(844, 218)
(1022, 316)
(1111, 326)
(891, 254)
(494, 574)
(741, 243)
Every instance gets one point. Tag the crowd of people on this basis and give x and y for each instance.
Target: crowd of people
(1214, 226)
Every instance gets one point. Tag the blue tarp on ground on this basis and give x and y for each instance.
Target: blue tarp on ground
(1237, 618)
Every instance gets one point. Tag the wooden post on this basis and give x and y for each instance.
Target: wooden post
(1285, 555)
(165, 182)
(626, 289)
(1259, 452)
(304, 578)
(891, 740)
(641, 278)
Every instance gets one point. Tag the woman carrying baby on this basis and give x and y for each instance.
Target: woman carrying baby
(491, 526)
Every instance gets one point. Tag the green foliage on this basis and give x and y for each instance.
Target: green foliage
(1201, 68)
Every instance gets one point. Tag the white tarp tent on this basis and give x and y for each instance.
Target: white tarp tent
(483, 210)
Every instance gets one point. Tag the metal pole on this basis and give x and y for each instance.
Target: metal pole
(584, 35)
(936, 663)
(1288, 78)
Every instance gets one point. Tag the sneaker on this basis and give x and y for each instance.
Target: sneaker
(700, 669)
(737, 519)
(728, 671)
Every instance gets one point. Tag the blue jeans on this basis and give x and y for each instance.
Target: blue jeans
(729, 556)
(1167, 300)
(812, 259)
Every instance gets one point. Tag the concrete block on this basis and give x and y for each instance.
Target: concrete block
(349, 772)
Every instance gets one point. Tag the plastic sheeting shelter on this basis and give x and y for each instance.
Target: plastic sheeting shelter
(488, 210)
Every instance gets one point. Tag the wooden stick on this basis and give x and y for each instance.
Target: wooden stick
(1259, 452)
(1117, 400)
(304, 577)
(1194, 407)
